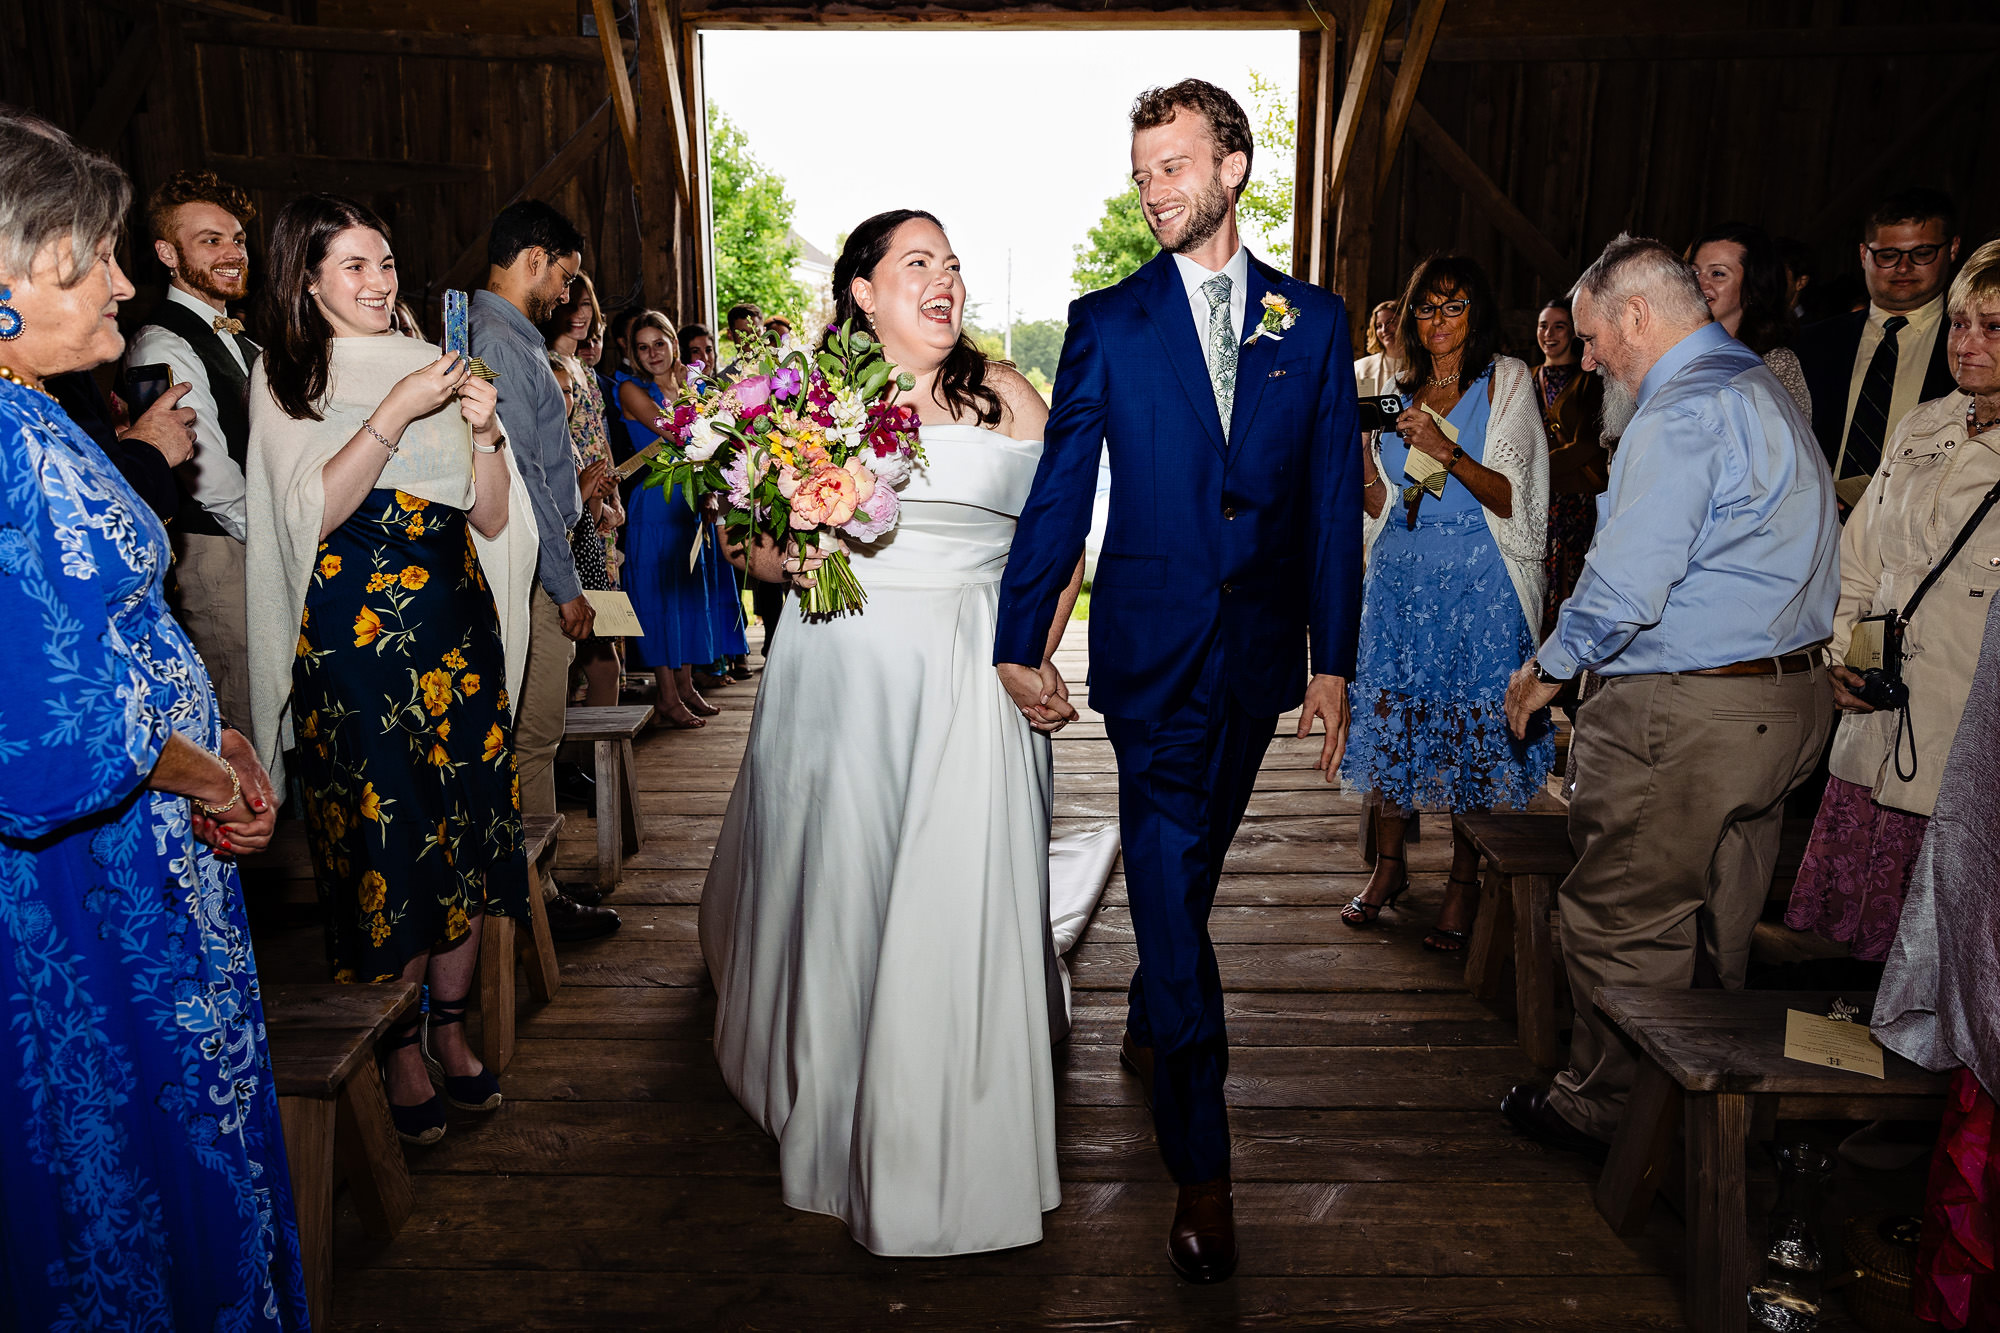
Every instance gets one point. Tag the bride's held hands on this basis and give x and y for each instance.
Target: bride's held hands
(770, 563)
(1041, 694)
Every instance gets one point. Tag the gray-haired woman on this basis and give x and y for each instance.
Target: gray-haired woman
(146, 1181)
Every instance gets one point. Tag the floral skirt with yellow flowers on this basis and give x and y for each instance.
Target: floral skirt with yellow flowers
(405, 752)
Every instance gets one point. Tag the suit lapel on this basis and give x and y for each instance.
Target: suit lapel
(1253, 363)
(1165, 302)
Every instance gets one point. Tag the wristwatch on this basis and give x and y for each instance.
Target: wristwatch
(1541, 673)
(1456, 454)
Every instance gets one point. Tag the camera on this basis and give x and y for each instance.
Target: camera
(1883, 690)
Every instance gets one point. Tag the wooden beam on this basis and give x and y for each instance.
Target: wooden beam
(622, 105)
(307, 172)
(1416, 51)
(551, 176)
(1489, 198)
(124, 87)
(1069, 15)
(1305, 162)
(1367, 54)
(657, 44)
(361, 41)
(1728, 44)
(1321, 200)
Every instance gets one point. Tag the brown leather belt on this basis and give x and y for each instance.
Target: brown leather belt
(1789, 664)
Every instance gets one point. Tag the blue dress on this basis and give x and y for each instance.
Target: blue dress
(143, 1181)
(1441, 631)
(672, 601)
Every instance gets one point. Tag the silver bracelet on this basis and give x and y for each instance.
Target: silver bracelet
(380, 438)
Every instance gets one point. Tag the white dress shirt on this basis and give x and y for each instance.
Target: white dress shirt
(1915, 342)
(1193, 276)
(210, 475)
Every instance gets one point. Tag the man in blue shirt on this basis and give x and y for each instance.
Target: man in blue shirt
(1703, 602)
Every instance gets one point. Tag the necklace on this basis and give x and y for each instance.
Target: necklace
(1973, 425)
(13, 376)
(1440, 381)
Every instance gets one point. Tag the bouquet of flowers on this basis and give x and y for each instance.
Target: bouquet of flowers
(805, 449)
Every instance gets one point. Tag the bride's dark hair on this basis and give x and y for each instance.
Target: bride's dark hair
(961, 381)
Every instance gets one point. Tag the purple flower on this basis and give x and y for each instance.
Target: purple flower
(737, 473)
(785, 382)
(882, 510)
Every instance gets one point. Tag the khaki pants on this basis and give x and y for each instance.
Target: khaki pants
(538, 724)
(1680, 789)
(210, 602)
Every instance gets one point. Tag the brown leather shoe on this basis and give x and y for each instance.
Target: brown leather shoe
(1202, 1244)
(1138, 1062)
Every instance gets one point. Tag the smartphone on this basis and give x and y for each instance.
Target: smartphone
(457, 326)
(1379, 411)
(144, 385)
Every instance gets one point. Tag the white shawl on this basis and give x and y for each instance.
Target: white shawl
(287, 499)
(1518, 450)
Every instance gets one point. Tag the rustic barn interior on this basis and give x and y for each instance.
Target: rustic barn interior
(620, 1186)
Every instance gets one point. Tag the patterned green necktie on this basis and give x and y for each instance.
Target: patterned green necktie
(1221, 347)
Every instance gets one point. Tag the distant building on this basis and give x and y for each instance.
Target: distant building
(813, 270)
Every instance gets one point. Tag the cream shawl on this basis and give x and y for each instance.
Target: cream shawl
(1517, 449)
(287, 499)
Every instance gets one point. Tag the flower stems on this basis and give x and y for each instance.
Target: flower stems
(835, 590)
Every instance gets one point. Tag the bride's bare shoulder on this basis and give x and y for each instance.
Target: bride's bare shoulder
(1023, 414)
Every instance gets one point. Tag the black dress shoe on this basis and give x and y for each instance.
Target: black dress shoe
(1527, 1109)
(570, 921)
(589, 895)
(574, 786)
(1137, 1061)
(1202, 1242)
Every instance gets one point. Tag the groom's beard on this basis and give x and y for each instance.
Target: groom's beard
(1208, 211)
(1620, 405)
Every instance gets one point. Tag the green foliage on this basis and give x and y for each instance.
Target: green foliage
(1266, 204)
(1038, 346)
(1116, 247)
(754, 252)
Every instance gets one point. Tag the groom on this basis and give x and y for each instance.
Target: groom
(1233, 549)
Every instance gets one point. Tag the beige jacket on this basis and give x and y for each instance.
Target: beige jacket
(1930, 481)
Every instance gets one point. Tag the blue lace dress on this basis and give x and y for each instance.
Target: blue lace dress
(1441, 631)
(143, 1181)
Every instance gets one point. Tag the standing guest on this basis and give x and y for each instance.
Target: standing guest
(1446, 578)
(776, 329)
(1712, 579)
(669, 592)
(1867, 369)
(147, 451)
(1743, 279)
(197, 223)
(767, 600)
(533, 254)
(143, 1160)
(590, 353)
(697, 349)
(745, 327)
(1378, 372)
(1943, 458)
(590, 542)
(1572, 416)
(387, 634)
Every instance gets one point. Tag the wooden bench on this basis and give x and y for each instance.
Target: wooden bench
(611, 731)
(334, 1108)
(502, 943)
(1713, 1060)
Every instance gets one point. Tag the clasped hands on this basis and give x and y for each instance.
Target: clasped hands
(1040, 693)
(247, 825)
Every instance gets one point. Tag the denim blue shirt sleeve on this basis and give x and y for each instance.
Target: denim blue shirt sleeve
(1717, 538)
(532, 413)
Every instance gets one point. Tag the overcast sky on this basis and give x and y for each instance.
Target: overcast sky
(1014, 139)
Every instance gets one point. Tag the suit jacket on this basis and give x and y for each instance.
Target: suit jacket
(1251, 547)
(1826, 352)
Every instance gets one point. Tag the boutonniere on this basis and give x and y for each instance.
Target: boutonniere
(1278, 317)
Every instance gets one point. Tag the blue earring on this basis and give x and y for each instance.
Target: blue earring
(10, 318)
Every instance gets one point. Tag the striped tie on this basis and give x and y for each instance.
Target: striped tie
(1221, 347)
(1863, 452)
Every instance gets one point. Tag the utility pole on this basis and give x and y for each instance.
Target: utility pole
(1007, 338)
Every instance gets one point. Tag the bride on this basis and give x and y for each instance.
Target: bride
(876, 918)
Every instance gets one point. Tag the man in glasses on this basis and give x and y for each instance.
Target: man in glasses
(1868, 368)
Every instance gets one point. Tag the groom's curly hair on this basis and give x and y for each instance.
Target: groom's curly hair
(1227, 124)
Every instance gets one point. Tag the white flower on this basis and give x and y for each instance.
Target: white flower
(703, 440)
(892, 470)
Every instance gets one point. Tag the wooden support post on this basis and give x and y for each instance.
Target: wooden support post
(1489, 198)
(498, 944)
(1416, 53)
(658, 46)
(1321, 205)
(1639, 1156)
(1492, 930)
(371, 1155)
(308, 1123)
(620, 81)
(551, 176)
(1718, 1259)
(667, 227)
(1305, 170)
(1361, 66)
(1534, 970)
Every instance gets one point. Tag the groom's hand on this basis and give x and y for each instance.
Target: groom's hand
(1326, 699)
(1041, 694)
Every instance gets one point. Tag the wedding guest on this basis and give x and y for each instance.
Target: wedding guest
(533, 254)
(1572, 404)
(776, 329)
(387, 635)
(1712, 578)
(669, 594)
(1798, 257)
(197, 223)
(1453, 593)
(745, 325)
(1867, 369)
(591, 540)
(1377, 372)
(1743, 279)
(142, 1138)
(1887, 763)
(697, 348)
(145, 452)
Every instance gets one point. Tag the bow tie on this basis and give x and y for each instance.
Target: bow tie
(224, 324)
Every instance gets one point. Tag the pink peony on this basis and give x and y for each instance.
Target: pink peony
(875, 516)
(827, 497)
(788, 481)
(752, 392)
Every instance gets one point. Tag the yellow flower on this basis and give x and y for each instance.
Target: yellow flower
(305, 617)
(437, 691)
(455, 660)
(305, 649)
(329, 565)
(345, 976)
(377, 582)
(366, 626)
(371, 802)
(415, 528)
(310, 727)
(496, 744)
(336, 821)
(444, 730)
(469, 683)
(374, 891)
(455, 923)
(378, 930)
(438, 757)
(503, 701)
(414, 577)
(411, 502)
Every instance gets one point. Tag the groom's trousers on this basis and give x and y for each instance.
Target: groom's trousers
(1183, 784)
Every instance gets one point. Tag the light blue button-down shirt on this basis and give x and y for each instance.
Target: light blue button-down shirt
(1717, 540)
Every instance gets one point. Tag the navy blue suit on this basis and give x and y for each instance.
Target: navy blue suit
(1229, 569)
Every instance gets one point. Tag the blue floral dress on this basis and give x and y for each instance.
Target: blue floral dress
(143, 1181)
(1441, 631)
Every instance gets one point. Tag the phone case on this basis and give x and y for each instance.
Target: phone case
(457, 336)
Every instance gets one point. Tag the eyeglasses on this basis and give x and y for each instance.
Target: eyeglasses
(569, 275)
(1431, 310)
(1922, 256)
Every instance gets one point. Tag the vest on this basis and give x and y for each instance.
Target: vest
(228, 385)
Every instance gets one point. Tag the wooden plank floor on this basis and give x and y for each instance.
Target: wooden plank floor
(620, 1187)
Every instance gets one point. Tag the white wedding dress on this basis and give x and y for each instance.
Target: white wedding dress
(877, 916)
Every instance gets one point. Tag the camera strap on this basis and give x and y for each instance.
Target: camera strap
(1957, 545)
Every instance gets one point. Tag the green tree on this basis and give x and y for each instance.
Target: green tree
(754, 249)
(1266, 204)
(1116, 247)
(1038, 346)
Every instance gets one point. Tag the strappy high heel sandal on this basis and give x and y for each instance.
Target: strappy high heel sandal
(472, 1092)
(422, 1124)
(1440, 940)
(1360, 913)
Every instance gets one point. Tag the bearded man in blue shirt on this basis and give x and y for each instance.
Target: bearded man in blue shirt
(1703, 604)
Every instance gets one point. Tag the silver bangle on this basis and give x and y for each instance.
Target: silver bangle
(380, 438)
